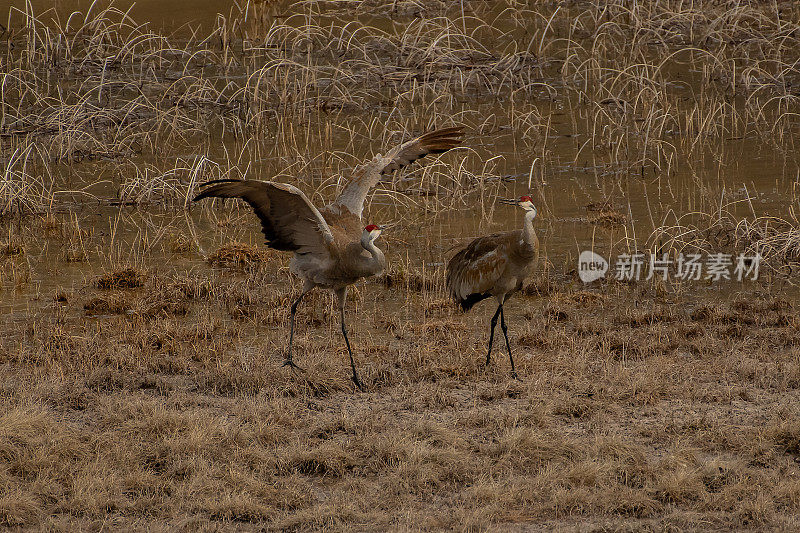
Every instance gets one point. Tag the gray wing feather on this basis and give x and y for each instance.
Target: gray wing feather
(369, 174)
(288, 219)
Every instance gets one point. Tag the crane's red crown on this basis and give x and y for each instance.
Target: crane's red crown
(371, 228)
(526, 199)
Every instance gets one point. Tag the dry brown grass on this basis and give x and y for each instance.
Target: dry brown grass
(634, 413)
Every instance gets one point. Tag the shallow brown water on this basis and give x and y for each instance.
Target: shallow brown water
(566, 171)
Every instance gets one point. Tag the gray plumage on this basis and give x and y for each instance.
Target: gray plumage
(495, 265)
(331, 247)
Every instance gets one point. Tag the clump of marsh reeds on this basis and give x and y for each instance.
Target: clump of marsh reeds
(775, 240)
(179, 243)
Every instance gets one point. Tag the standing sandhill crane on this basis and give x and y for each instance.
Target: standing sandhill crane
(330, 248)
(495, 265)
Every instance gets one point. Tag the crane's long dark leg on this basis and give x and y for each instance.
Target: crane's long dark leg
(491, 334)
(341, 295)
(289, 362)
(508, 345)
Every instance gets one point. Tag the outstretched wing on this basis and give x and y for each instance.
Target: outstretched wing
(368, 175)
(473, 272)
(288, 219)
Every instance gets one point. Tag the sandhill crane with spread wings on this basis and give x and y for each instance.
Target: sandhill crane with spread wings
(495, 265)
(332, 248)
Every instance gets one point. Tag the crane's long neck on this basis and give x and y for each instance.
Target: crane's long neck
(378, 259)
(528, 234)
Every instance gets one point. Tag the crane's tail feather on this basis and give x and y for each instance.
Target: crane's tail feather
(468, 302)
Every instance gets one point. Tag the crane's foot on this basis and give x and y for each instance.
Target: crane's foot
(357, 382)
(514, 375)
(291, 365)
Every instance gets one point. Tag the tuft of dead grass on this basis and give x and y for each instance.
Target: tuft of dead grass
(11, 249)
(126, 278)
(107, 305)
(238, 254)
(411, 280)
(604, 214)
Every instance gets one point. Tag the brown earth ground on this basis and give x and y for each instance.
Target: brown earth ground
(158, 402)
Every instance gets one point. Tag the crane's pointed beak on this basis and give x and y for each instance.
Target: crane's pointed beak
(507, 201)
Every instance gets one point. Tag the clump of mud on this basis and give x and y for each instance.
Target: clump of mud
(605, 215)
